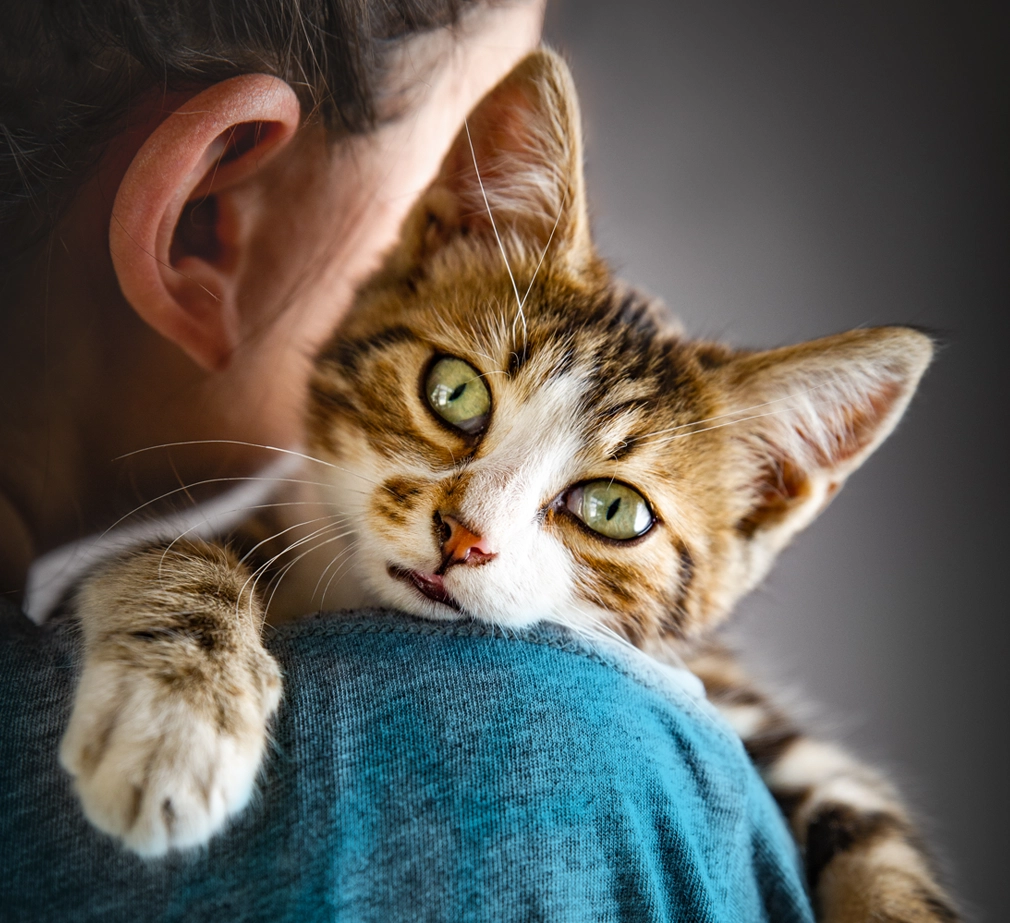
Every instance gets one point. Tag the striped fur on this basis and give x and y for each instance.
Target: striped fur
(169, 721)
(864, 858)
(587, 380)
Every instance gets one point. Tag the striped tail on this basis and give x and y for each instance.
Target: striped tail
(864, 860)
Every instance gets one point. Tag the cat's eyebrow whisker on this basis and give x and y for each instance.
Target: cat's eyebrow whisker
(756, 416)
(519, 302)
(557, 221)
(478, 352)
(733, 413)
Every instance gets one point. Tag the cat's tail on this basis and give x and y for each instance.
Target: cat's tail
(864, 859)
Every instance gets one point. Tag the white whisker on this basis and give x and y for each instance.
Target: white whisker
(337, 516)
(220, 480)
(324, 571)
(200, 525)
(350, 549)
(733, 413)
(251, 445)
(519, 302)
(544, 254)
(756, 416)
(256, 574)
(277, 580)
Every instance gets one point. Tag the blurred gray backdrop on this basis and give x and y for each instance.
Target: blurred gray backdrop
(778, 171)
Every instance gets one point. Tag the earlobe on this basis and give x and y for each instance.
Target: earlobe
(175, 235)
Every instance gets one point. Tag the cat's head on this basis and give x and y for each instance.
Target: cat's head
(575, 458)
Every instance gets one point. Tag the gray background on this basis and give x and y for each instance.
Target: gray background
(779, 171)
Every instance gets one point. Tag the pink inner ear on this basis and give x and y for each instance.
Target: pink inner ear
(514, 156)
(526, 141)
(824, 436)
(851, 427)
(780, 484)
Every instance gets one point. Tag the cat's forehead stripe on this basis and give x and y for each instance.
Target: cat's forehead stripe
(624, 374)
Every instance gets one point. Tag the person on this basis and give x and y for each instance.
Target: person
(189, 195)
(207, 224)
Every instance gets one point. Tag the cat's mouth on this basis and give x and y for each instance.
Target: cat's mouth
(428, 585)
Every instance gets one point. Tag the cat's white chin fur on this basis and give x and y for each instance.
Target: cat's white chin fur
(151, 770)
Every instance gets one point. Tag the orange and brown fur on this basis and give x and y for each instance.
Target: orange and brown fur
(584, 382)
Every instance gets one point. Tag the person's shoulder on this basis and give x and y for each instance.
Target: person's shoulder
(512, 770)
(578, 682)
(20, 636)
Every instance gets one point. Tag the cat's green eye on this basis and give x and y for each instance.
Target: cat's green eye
(611, 508)
(457, 393)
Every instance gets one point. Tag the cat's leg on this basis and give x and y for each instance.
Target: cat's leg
(864, 860)
(169, 724)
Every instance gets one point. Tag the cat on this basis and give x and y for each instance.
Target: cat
(501, 430)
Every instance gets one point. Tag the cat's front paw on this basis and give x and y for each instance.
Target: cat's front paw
(161, 759)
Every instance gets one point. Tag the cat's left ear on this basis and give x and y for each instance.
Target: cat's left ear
(803, 418)
(518, 158)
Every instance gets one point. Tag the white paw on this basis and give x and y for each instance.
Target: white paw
(163, 763)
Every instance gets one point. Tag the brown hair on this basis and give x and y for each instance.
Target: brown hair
(69, 70)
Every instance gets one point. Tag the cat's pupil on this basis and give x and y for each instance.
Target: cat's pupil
(612, 509)
(457, 391)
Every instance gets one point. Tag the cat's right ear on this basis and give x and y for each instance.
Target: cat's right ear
(518, 160)
(179, 219)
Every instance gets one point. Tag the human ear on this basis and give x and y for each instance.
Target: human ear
(177, 227)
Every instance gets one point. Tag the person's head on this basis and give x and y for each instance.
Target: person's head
(189, 194)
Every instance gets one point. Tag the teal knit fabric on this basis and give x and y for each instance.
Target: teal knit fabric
(420, 772)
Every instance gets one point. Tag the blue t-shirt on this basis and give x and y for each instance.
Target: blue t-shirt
(420, 771)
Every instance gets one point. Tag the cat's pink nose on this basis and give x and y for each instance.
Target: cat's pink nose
(460, 545)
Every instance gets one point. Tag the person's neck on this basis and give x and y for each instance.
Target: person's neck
(17, 549)
(37, 443)
(43, 474)
(100, 417)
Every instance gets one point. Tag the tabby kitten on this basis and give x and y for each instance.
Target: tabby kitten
(513, 436)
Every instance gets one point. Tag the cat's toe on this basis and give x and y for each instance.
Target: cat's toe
(161, 770)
